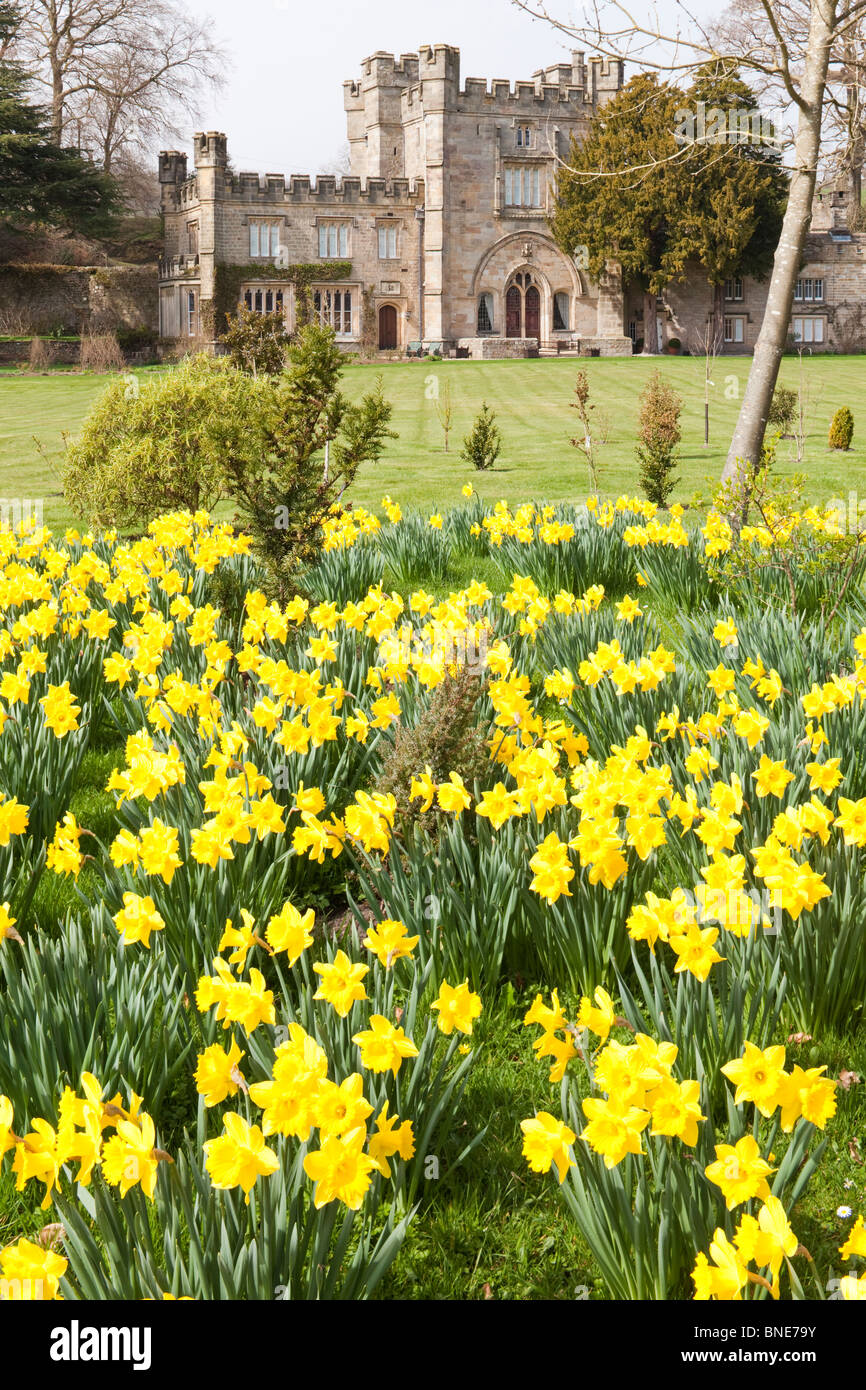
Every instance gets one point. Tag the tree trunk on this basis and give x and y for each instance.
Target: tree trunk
(752, 422)
(108, 146)
(56, 95)
(717, 328)
(650, 324)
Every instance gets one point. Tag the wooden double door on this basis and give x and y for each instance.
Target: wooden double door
(523, 309)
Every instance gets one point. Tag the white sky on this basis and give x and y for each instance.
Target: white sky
(282, 108)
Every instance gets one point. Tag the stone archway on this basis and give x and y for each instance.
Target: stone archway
(534, 253)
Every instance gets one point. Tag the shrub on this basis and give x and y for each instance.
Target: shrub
(841, 429)
(446, 739)
(658, 436)
(783, 410)
(15, 323)
(101, 352)
(41, 355)
(585, 408)
(281, 487)
(793, 559)
(257, 342)
(157, 444)
(482, 445)
(139, 339)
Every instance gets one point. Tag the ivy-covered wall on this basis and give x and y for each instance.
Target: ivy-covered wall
(228, 280)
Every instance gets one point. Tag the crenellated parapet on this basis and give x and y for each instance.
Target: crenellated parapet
(210, 149)
(387, 70)
(270, 189)
(172, 167)
(386, 79)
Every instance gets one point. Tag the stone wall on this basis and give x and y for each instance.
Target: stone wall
(494, 349)
(16, 352)
(604, 347)
(60, 354)
(841, 266)
(73, 298)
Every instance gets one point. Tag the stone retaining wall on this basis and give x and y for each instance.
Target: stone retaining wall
(491, 349)
(61, 354)
(78, 297)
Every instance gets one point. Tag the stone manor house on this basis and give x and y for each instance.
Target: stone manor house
(439, 236)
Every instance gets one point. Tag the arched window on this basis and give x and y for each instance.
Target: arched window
(485, 313)
(561, 311)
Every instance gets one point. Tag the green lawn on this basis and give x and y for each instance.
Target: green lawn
(531, 401)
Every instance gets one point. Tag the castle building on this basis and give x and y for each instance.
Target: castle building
(439, 235)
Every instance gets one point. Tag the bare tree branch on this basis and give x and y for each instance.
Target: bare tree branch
(120, 73)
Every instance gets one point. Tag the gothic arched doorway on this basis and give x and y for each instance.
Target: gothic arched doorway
(387, 328)
(523, 307)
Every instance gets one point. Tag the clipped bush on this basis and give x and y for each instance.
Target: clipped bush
(841, 429)
(139, 339)
(783, 409)
(159, 443)
(482, 445)
(658, 437)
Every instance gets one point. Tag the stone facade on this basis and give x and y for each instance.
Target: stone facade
(829, 312)
(439, 236)
(440, 233)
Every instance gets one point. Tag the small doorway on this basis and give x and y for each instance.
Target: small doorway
(387, 328)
